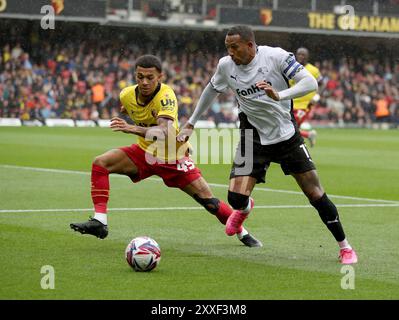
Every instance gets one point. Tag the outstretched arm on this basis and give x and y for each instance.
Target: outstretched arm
(160, 131)
(208, 95)
(204, 102)
(304, 83)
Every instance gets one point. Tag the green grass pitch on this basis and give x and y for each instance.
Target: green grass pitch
(358, 168)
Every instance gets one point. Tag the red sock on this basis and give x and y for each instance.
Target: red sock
(99, 188)
(224, 212)
(304, 134)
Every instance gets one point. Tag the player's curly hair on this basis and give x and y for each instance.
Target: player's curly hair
(148, 61)
(244, 32)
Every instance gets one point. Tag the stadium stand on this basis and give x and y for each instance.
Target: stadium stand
(71, 74)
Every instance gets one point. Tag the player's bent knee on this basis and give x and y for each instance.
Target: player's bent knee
(314, 194)
(114, 161)
(210, 204)
(237, 200)
(327, 210)
(100, 161)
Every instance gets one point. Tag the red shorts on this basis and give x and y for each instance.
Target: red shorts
(175, 175)
(301, 115)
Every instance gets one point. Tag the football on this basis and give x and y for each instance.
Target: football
(143, 254)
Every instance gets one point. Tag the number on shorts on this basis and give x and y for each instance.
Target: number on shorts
(186, 166)
(306, 151)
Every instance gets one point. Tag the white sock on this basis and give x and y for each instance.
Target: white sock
(102, 217)
(243, 233)
(248, 208)
(344, 244)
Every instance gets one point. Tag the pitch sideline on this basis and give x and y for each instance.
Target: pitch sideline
(217, 185)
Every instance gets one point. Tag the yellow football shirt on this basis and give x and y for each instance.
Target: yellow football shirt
(303, 102)
(162, 104)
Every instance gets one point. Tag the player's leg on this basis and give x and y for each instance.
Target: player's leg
(249, 167)
(301, 115)
(240, 189)
(113, 161)
(311, 135)
(201, 192)
(310, 184)
(295, 160)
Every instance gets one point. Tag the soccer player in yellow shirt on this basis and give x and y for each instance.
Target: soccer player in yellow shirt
(303, 105)
(153, 107)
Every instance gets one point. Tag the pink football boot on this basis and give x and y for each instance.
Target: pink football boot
(234, 222)
(347, 256)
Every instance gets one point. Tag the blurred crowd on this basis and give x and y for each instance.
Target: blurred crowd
(82, 80)
(358, 90)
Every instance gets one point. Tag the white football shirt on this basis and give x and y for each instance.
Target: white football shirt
(271, 118)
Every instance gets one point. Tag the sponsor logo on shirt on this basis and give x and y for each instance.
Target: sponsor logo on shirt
(248, 91)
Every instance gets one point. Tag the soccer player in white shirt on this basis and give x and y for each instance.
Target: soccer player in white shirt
(259, 77)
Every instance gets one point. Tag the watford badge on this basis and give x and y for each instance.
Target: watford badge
(266, 16)
(58, 6)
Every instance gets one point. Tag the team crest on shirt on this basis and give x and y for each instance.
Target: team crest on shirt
(154, 113)
(263, 70)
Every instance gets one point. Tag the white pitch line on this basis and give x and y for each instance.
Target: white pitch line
(301, 193)
(195, 208)
(43, 169)
(211, 184)
(91, 209)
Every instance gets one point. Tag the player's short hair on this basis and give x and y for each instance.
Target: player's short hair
(244, 32)
(148, 61)
(303, 49)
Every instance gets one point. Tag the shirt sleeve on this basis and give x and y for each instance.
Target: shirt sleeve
(168, 105)
(123, 96)
(218, 80)
(305, 83)
(289, 67)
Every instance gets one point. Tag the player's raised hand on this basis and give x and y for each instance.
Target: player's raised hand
(185, 132)
(118, 124)
(270, 91)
